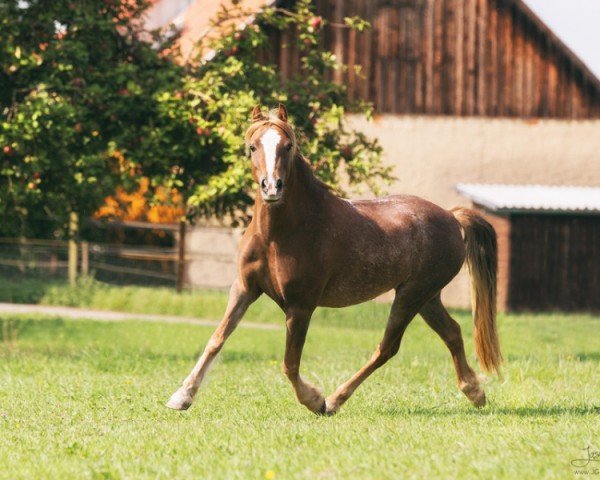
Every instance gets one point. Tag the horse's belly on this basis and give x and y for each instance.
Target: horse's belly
(347, 297)
(356, 287)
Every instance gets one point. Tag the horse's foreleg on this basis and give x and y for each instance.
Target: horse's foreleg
(297, 322)
(399, 319)
(239, 301)
(436, 316)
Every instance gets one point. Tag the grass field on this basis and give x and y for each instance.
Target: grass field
(81, 399)
(89, 293)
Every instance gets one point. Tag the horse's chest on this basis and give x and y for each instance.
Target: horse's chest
(289, 275)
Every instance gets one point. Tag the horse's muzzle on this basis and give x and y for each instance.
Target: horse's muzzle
(271, 190)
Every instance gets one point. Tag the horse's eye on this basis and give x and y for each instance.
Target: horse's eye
(289, 147)
(252, 148)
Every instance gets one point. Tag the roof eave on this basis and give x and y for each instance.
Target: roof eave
(587, 73)
(503, 211)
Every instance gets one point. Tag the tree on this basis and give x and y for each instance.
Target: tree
(91, 101)
(76, 85)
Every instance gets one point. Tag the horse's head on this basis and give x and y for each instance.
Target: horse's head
(272, 146)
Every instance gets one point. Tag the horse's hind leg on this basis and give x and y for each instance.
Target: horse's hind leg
(436, 316)
(400, 316)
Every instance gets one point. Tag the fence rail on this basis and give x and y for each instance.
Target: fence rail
(112, 263)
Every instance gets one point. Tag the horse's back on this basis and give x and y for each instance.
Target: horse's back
(407, 218)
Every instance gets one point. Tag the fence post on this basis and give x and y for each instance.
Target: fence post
(72, 248)
(85, 258)
(181, 256)
(21, 261)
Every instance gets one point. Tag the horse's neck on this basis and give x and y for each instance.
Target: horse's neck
(303, 197)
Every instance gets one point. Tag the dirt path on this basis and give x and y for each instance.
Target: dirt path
(108, 316)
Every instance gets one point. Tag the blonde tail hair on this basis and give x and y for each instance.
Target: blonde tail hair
(482, 260)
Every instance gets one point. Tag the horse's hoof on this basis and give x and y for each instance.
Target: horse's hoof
(474, 393)
(322, 410)
(180, 400)
(330, 409)
(479, 400)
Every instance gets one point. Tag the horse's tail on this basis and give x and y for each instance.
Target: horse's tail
(482, 260)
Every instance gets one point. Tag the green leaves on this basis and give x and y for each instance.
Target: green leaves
(72, 84)
(89, 106)
(357, 23)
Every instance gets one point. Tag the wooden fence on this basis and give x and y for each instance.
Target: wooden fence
(111, 263)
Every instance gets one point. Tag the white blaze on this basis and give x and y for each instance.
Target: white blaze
(269, 141)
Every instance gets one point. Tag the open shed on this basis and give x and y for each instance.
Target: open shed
(549, 244)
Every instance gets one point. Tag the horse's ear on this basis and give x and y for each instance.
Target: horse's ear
(282, 113)
(257, 114)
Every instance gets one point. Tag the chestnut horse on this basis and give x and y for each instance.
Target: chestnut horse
(306, 247)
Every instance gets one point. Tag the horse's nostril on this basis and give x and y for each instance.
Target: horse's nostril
(263, 184)
(279, 184)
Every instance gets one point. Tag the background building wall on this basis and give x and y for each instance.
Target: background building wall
(554, 262)
(211, 254)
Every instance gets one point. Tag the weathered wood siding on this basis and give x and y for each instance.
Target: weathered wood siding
(554, 263)
(452, 57)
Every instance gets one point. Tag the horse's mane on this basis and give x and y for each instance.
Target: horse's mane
(302, 164)
(306, 170)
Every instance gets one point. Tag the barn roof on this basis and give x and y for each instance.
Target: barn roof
(532, 198)
(474, 58)
(197, 21)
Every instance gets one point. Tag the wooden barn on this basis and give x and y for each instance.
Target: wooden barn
(453, 57)
(465, 92)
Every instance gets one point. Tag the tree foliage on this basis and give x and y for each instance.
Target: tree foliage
(90, 101)
(76, 85)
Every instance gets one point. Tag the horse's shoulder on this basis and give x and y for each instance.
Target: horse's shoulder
(250, 259)
(250, 246)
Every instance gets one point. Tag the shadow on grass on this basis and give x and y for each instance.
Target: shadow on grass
(25, 288)
(524, 412)
(578, 357)
(588, 357)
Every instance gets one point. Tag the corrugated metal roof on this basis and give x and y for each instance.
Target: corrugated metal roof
(544, 198)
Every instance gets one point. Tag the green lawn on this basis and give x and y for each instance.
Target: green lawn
(82, 399)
